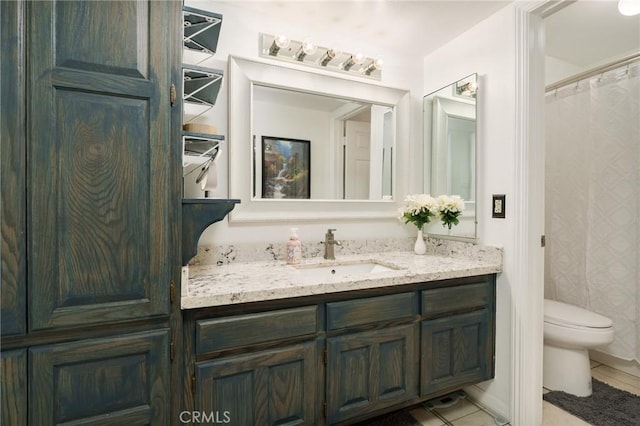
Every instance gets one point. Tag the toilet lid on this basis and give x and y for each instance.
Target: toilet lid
(564, 314)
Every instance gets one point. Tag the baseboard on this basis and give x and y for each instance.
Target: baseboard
(628, 366)
(492, 404)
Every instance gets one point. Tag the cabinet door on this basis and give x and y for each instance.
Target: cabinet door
(273, 387)
(117, 381)
(456, 351)
(13, 388)
(371, 370)
(12, 171)
(99, 164)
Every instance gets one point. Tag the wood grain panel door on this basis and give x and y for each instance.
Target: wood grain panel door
(13, 278)
(274, 387)
(456, 350)
(13, 388)
(99, 161)
(120, 380)
(371, 370)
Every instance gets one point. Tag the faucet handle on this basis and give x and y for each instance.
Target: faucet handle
(330, 231)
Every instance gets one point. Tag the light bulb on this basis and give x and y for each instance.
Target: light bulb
(629, 7)
(307, 48)
(281, 41)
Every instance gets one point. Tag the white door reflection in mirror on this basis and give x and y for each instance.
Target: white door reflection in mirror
(454, 140)
(450, 150)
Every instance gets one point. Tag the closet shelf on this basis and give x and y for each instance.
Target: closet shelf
(201, 29)
(201, 85)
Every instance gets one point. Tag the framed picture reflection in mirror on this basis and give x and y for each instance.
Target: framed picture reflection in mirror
(286, 168)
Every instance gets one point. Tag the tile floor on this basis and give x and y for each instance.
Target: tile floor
(467, 413)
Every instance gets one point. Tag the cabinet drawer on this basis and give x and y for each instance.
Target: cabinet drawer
(352, 313)
(243, 330)
(451, 299)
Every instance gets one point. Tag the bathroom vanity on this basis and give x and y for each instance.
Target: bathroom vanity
(268, 343)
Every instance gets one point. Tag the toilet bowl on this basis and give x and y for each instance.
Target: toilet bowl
(569, 333)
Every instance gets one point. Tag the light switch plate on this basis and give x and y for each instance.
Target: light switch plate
(498, 206)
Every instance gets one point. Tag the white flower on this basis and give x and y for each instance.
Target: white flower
(418, 209)
(418, 202)
(450, 204)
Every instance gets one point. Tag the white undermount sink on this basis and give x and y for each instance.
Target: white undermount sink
(336, 270)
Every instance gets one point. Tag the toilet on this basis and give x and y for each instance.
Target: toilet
(569, 333)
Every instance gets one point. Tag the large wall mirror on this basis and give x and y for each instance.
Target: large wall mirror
(305, 145)
(450, 129)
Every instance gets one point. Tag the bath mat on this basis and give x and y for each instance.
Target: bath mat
(607, 406)
(399, 418)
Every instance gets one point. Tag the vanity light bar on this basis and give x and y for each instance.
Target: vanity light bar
(307, 53)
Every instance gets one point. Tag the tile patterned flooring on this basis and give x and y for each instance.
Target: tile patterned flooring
(467, 413)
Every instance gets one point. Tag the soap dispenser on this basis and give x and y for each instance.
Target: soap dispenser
(294, 248)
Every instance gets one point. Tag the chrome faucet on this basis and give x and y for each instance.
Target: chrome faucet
(329, 243)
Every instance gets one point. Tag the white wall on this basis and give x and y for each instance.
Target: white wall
(239, 36)
(557, 69)
(301, 123)
(489, 50)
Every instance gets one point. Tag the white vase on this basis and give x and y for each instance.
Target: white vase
(420, 247)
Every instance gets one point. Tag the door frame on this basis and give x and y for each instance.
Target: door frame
(527, 314)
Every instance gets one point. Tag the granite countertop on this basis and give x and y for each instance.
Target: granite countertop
(245, 282)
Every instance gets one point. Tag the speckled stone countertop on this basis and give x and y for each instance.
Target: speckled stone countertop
(244, 282)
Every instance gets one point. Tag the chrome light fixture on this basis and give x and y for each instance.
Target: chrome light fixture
(356, 59)
(467, 89)
(279, 42)
(309, 54)
(376, 64)
(328, 57)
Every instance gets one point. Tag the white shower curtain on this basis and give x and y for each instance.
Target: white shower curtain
(593, 200)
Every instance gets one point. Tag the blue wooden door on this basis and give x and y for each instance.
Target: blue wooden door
(99, 165)
(272, 387)
(13, 388)
(371, 370)
(12, 171)
(115, 380)
(456, 351)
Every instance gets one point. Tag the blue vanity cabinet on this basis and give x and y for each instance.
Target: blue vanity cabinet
(339, 358)
(371, 369)
(458, 336)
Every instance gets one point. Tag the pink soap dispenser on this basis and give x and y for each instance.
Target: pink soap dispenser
(294, 248)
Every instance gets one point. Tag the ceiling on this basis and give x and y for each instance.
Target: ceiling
(590, 32)
(415, 27)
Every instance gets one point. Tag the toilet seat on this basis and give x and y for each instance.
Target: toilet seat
(570, 316)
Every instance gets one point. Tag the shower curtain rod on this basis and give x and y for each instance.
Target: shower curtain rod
(595, 71)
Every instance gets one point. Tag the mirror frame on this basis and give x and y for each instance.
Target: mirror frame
(432, 151)
(243, 75)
